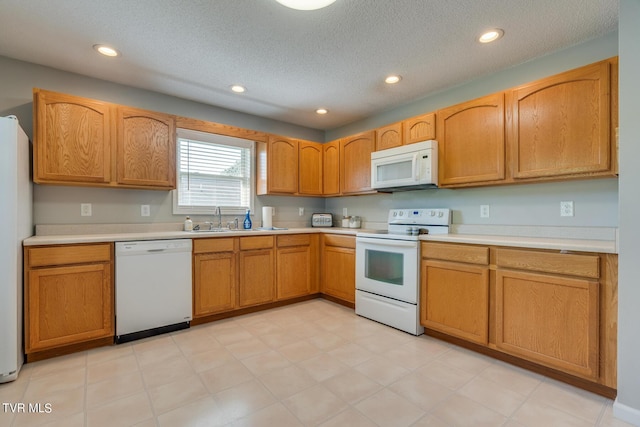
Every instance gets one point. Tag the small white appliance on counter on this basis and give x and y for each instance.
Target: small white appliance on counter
(153, 288)
(388, 267)
(16, 225)
(408, 167)
(321, 220)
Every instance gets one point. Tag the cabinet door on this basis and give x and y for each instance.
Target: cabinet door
(72, 139)
(331, 168)
(146, 154)
(419, 128)
(68, 305)
(455, 299)
(282, 165)
(293, 272)
(551, 320)
(389, 136)
(471, 143)
(310, 168)
(339, 273)
(214, 283)
(561, 125)
(257, 284)
(355, 163)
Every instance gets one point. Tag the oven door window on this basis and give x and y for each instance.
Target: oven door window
(385, 267)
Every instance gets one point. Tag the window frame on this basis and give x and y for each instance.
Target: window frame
(214, 138)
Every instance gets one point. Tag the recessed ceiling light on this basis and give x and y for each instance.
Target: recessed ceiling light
(106, 50)
(392, 79)
(491, 35)
(305, 4)
(238, 88)
(322, 111)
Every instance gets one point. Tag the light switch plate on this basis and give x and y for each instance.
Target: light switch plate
(566, 208)
(85, 209)
(300, 211)
(145, 210)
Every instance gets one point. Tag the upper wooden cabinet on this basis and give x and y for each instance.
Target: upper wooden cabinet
(419, 128)
(355, 163)
(560, 125)
(331, 168)
(281, 166)
(72, 139)
(471, 143)
(310, 168)
(389, 136)
(80, 141)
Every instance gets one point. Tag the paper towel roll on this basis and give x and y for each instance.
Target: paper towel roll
(267, 216)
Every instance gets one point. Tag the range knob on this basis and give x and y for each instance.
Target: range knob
(440, 214)
(432, 213)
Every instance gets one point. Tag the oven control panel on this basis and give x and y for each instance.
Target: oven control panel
(420, 216)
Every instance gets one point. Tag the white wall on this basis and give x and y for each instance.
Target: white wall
(627, 404)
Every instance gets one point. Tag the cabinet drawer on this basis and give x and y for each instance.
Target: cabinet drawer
(294, 240)
(549, 262)
(213, 245)
(452, 252)
(262, 242)
(69, 254)
(342, 241)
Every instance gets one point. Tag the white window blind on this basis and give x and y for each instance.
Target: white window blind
(213, 170)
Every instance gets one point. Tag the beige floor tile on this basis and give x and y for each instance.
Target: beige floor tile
(288, 381)
(278, 339)
(266, 362)
(58, 365)
(379, 342)
(382, 370)
(210, 359)
(445, 375)
(14, 390)
(204, 413)
(225, 376)
(534, 413)
(411, 356)
(466, 360)
(178, 393)
(352, 386)
(299, 351)
(274, 415)
(462, 411)
(351, 354)
(350, 418)
(430, 421)
(263, 327)
(55, 407)
(230, 336)
(167, 371)
(388, 409)
(247, 348)
(421, 391)
(492, 395)
(574, 401)
(122, 412)
(314, 405)
(76, 420)
(41, 389)
(112, 367)
(198, 342)
(326, 341)
(512, 378)
(114, 388)
(104, 354)
(323, 366)
(244, 399)
(156, 355)
(158, 343)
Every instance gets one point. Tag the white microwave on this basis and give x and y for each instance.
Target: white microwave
(409, 167)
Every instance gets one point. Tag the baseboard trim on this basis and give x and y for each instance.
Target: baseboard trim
(626, 413)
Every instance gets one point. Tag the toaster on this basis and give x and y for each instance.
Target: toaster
(321, 220)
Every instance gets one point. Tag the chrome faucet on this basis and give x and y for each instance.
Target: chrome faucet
(218, 212)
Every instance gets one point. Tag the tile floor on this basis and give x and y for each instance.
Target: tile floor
(312, 363)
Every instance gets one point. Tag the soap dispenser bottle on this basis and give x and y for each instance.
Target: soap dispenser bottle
(188, 224)
(247, 221)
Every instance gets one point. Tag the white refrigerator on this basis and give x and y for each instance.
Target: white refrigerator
(16, 224)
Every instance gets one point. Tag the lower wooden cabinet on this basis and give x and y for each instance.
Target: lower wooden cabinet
(296, 265)
(338, 277)
(214, 276)
(69, 295)
(257, 268)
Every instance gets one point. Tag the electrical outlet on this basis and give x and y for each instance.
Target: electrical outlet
(484, 211)
(300, 211)
(85, 209)
(145, 210)
(566, 208)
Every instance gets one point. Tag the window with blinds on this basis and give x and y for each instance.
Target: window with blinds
(213, 170)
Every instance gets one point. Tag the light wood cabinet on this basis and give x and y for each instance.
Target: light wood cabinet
(215, 276)
(355, 163)
(80, 141)
(146, 148)
(257, 271)
(310, 168)
(69, 295)
(471, 142)
(331, 168)
(277, 166)
(338, 276)
(560, 126)
(296, 265)
(389, 136)
(544, 315)
(419, 128)
(455, 290)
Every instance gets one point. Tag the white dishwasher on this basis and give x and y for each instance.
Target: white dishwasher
(153, 288)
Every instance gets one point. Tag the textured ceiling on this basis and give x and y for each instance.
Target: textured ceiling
(293, 62)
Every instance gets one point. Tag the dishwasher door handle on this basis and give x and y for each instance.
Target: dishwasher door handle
(156, 250)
